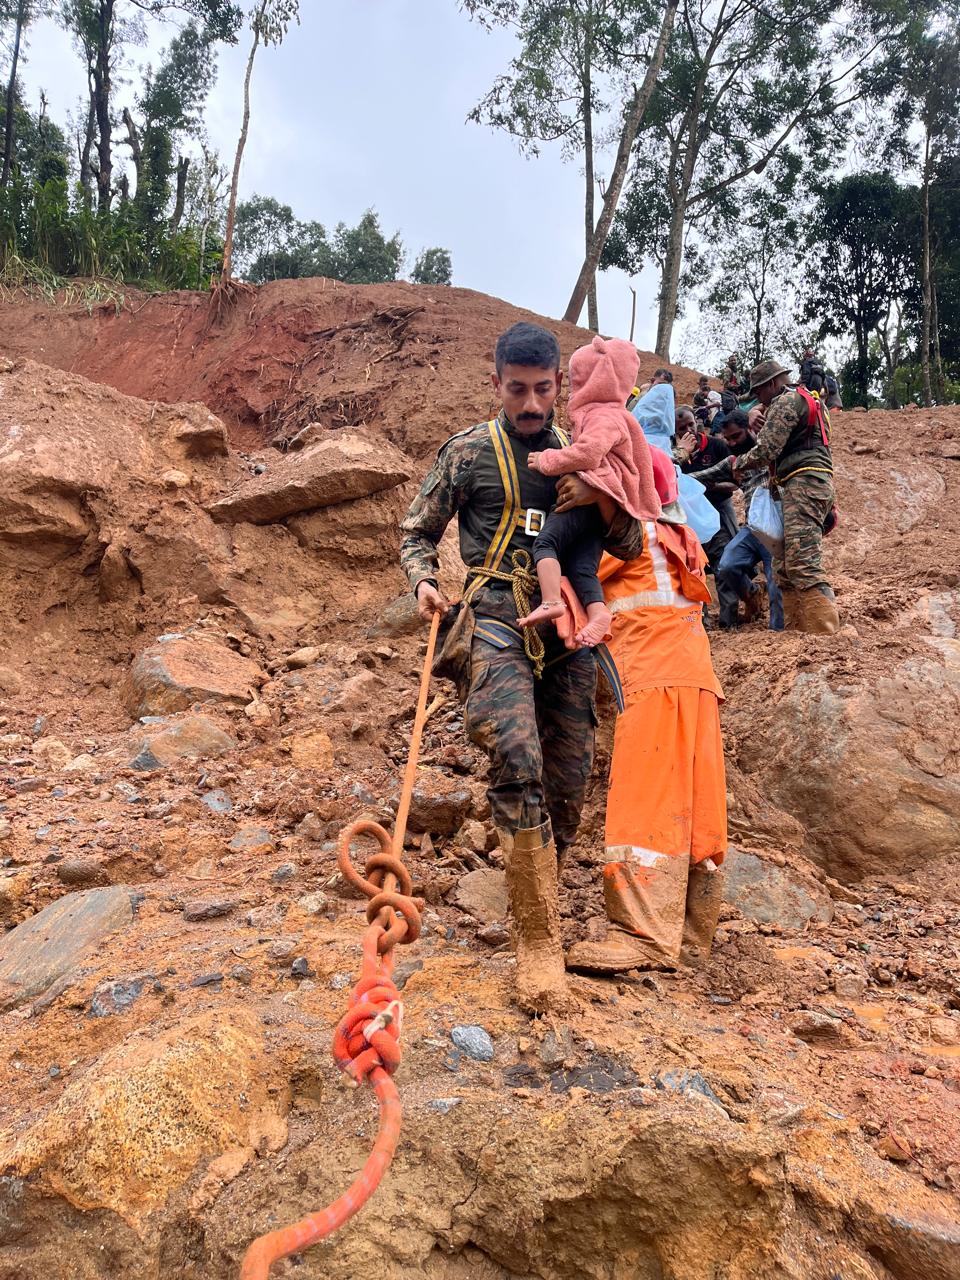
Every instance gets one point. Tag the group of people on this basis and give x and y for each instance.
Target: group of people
(581, 557)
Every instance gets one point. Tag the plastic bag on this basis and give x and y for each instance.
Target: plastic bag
(765, 518)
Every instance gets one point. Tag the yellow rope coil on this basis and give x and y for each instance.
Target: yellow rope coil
(524, 583)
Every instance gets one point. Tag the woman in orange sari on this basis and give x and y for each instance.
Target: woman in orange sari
(666, 824)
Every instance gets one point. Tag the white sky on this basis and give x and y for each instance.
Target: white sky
(365, 104)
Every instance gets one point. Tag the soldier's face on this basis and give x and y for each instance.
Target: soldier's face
(770, 390)
(527, 395)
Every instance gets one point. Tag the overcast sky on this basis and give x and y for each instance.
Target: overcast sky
(365, 104)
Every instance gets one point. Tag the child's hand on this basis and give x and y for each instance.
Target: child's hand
(533, 461)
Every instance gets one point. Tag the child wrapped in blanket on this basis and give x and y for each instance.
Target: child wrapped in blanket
(610, 452)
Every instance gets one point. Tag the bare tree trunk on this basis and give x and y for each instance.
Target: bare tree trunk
(235, 181)
(12, 95)
(84, 150)
(633, 311)
(939, 382)
(589, 195)
(101, 103)
(670, 280)
(134, 140)
(611, 199)
(180, 203)
(927, 298)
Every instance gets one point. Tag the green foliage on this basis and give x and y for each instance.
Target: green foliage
(272, 244)
(433, 266)
(41, 151)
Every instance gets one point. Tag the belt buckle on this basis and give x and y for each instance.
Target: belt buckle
(541, 516)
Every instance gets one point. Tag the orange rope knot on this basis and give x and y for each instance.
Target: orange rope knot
(366, 1043)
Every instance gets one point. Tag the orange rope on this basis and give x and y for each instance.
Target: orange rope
(366, 1043)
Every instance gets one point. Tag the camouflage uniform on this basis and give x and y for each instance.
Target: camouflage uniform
(804, 474)
(538, 733)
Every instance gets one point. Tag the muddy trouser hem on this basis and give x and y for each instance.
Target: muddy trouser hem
(807, 499)
(575, 538)
(538, 735)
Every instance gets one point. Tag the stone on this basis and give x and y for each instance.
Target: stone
(892, 1147)
(208, 908)
(201, 434)
(850, 986)
(687, 1084)
(265, 918)
(347, 466)
(191, 737)
(762, 891)
(53, 942)
(494, 935)
(134, 1127)
(945, 1031)
(816, 1027)
(15, 888)
(303, 658)
(473, 836)
(256, 840)
(52, 753)
(314, 904)
(79, 869)
(176, 672)
(6, 829)
(398, 618)
(439, 803)
(218, 801)
(207, 979)
(474, 1041)
(115, 997)
(283, 874)
(301, 968)
(312, 750)
(10, 681)
(483, 895)
(83, 763)
(444, 1105)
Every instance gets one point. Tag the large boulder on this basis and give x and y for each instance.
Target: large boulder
(871, 764)
(51, 944)
(762, 890)
(135, 1125)
(339, 469)
(180, 670)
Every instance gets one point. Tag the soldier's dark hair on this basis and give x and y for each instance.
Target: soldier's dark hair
(528, 345)
(665, 374)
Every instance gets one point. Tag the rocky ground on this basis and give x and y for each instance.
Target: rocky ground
(209, 668)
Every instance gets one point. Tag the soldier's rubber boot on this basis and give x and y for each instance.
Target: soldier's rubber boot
(530, 860)
(791, 608)
(704, 899)
(818, 613)
(645, 909)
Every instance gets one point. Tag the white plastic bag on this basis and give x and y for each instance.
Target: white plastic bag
(765, 518)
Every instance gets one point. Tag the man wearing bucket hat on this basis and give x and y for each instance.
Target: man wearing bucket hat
(795, 443)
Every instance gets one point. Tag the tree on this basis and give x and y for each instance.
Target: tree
(576, 60)
(741, 84)
(20, 12)
(861, 270)
(269, 22)
(41, 152)
(272, 244)
(101, 29)
(362, 254)
(433, 266)
(747, 297)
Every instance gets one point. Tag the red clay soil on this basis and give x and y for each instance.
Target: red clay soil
(412, 358)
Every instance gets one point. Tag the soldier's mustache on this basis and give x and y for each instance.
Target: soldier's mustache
(531, 417)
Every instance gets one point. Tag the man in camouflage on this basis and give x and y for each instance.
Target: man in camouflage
(538, 730)
(795, 442)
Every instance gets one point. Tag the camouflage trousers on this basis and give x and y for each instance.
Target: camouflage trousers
(807, 499)
(538, 735)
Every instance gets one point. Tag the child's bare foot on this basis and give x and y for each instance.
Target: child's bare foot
(548, 611)
(597, 627)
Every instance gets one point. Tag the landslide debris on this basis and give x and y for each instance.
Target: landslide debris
(190, 712)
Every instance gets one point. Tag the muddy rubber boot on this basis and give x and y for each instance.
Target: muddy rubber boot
(753, 605)
(704, 899)
(791, 608)
(530, 859)
(645, 907)
(818, 613)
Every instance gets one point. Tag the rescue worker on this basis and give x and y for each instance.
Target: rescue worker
(666, 821)
(795, 441)
(529, 699)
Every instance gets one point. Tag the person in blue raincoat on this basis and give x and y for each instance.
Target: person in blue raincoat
(655, 411)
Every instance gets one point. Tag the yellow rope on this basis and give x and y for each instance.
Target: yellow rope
(524, 583)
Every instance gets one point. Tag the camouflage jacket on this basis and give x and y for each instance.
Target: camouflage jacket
(465, 482)
(786, 442)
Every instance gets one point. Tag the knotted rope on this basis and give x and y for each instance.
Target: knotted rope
(525, 584)
(366, 1043)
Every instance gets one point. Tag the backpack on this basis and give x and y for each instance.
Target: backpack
(812, 374)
